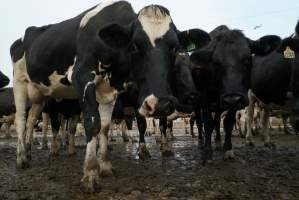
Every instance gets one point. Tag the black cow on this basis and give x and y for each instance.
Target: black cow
(7, 109)
(4, 80)
(221, 74)
(90, 57)
(275, 80)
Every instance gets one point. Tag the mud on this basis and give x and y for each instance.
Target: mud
(256, 173)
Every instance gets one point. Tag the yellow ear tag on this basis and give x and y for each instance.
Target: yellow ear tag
(289, 53)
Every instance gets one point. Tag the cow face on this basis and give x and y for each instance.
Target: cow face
(149, 43)
(227, 61)
(182, 83)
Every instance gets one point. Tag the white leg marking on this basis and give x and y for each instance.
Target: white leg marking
(90, 170)
(105, 111)
(250, 113)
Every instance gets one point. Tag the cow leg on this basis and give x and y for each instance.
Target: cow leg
(56, 142)
(124, 133)
(45, 117)
(62, 134)
(265, 123)
(208, 129)
(186, 122)
(249, 119)
(170, 128)
(285, 124)
(20, 96)
(199, 123)
(32, 118)
(228, 123)
(192, 120)
(217, 129)
(6, 126)
(165, 148)
(72, 125)
(143, 152)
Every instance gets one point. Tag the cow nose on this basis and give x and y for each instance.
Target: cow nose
(165, 107)
(149, 105)
(230, 100)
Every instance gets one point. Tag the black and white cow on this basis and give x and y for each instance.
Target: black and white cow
(90, 57)
(275, 81)
(4, 80)
(59, 112)
(221, 74)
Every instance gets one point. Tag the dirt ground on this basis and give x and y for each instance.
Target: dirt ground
(256, 173)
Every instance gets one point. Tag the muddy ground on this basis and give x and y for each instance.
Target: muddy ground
(256, 173)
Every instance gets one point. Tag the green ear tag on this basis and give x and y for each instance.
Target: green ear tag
(289, 53)
(191, 47)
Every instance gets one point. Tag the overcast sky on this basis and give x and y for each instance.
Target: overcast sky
(255, 17)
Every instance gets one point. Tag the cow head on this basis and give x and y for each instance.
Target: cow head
(148, 43)
(227, 60)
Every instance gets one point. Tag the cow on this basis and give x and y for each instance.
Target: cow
(7, 109)
(4, 80)
(90, 57)
(274, 81)
(221, 74)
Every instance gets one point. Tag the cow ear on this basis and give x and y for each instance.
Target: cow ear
(289, 42)
(115, 35)
(201, 57)
(194, 37)
(264, 45)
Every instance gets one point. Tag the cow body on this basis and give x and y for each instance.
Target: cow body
(274, 82)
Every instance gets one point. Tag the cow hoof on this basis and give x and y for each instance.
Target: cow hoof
(250, 144)
(229, 155)
(106, 168)
(143, 152)
(90, 181)
(270, 145)
(187, 132)
(22, 163)
(133, 140)
(218, 146)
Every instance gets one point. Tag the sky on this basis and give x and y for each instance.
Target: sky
(255, 17)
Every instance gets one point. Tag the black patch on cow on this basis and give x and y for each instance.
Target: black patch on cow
(17, 50)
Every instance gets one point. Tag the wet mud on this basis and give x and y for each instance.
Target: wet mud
(256, 173)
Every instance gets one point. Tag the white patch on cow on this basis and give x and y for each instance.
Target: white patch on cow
(70, 70)
(105, 111)
(90, 170)
(154, 22)
(93, 82)
(95, 11)
(105, 93)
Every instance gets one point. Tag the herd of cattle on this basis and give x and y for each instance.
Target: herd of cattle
(110, 62)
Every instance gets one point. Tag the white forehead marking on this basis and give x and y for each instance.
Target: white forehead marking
(95, 11)
(154, 23)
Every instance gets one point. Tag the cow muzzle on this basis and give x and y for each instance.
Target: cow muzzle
(152, 106)
(234, 100)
